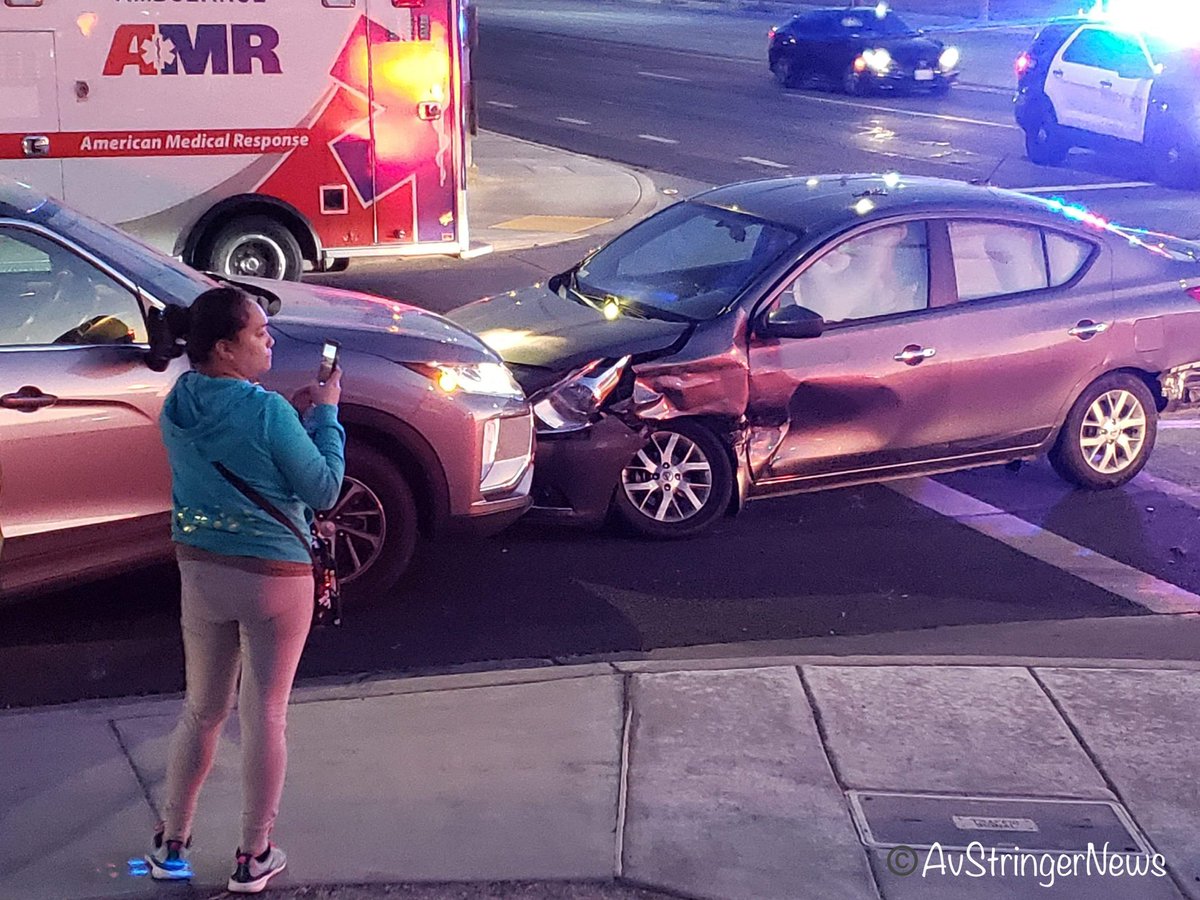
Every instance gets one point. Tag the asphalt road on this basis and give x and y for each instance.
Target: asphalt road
(1037, 569)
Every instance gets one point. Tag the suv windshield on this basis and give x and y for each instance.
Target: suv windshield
(690, 261)
(166, 278)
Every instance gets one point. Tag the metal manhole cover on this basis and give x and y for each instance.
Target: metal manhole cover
(887, 820)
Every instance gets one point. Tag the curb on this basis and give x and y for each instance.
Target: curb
(361, 685)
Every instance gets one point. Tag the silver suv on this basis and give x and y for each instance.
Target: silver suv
(440, 435)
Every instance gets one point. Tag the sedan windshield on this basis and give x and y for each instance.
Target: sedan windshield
(167, 279)
(689, 261)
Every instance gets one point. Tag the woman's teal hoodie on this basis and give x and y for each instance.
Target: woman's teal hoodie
(257, 435)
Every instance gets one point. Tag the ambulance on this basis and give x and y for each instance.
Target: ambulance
(247, 137)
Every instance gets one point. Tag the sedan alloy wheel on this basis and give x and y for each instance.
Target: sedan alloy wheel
(1108, 434)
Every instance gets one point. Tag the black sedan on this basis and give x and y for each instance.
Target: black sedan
(858, 50)
(772, 337)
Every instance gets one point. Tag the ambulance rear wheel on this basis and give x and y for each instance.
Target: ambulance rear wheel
(256, 247)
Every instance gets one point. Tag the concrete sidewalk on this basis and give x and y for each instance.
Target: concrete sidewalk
(749, 779)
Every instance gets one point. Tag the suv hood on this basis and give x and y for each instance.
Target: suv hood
(536, 327)
(395, 331)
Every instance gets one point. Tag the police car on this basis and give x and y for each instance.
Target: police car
(1105, 86)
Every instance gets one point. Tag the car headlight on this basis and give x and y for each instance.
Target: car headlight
(487, 379)
(569, 404)
(877, 60)
(949, 58)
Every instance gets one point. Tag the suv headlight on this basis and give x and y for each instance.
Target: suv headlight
(949, 59)
(488, 379)
(569, 404)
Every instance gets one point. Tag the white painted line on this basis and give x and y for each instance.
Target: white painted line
(501, 105)
(917, 114)
(1110, 186)
(664, 77)
(657, 139)
(571, 121)
(1178, 424)
(1087, 565)
(763, 162)
(1180, 492)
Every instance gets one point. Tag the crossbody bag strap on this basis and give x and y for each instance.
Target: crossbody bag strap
(265, 505)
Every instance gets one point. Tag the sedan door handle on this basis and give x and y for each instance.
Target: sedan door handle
(27, 399)
(1106, 84)
(1088, 329)
(1057, 73)
(913, 354)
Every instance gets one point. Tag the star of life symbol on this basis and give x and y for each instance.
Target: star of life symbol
(158, 52)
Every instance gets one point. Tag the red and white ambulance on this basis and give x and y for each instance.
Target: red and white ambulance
(247, 137)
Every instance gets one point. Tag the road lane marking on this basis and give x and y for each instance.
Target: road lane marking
(664, 77)
(764, 162)
(501, 105)
(571, 121)
(1087, 565)
(917, 114)
(1107, 186)
(657, 139)
(1180, 492)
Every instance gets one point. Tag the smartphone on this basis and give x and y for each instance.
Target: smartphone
(329, 361)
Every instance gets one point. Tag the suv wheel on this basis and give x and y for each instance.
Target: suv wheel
(677, 484)
(376, 521)
(1109, 433)
(1176, 162)
(1045, 143)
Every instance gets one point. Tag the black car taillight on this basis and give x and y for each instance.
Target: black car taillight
(1024, 64)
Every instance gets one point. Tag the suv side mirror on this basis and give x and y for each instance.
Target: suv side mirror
(166, 332)
(790, 322)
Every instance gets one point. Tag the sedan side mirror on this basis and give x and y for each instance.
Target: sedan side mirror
(790, 322)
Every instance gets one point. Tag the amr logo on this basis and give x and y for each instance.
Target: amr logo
(174, 50)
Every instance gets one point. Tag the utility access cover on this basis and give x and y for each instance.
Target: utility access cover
(922, 820)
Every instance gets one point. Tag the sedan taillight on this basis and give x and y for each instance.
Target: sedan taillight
(1194, 292)
(1026, 62)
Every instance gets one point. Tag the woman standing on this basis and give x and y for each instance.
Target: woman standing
(247, 581)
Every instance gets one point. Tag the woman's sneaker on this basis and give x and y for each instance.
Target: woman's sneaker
(253, 872)
(168, 859)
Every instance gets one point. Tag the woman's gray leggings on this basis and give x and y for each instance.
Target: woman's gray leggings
(235, 619)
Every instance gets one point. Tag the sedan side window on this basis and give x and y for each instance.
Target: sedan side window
(992, 260)
(881, 272)
(50, 295)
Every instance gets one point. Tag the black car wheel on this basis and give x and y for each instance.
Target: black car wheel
(785, 75)
(1109, 433)
(1045, 143)
(852, 82)
(677, 484)
(376, 522)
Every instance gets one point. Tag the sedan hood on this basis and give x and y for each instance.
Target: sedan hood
(911, 52)
(536, 327)
(387, 328)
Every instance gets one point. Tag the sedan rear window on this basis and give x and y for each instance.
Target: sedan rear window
(689, 260)
(992, 260)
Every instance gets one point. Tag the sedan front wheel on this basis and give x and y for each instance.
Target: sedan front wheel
(1109, 433)
(677, 484)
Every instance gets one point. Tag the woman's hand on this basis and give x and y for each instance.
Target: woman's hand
(315, 394)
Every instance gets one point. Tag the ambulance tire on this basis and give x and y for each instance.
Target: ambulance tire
(257, 247)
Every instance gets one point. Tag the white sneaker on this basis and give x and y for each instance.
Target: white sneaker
(253, 872)
(168, 860)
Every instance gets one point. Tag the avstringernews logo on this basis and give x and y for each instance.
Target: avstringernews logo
(978, 861)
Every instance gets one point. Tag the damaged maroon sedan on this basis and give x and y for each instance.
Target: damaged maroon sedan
(791, 335)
